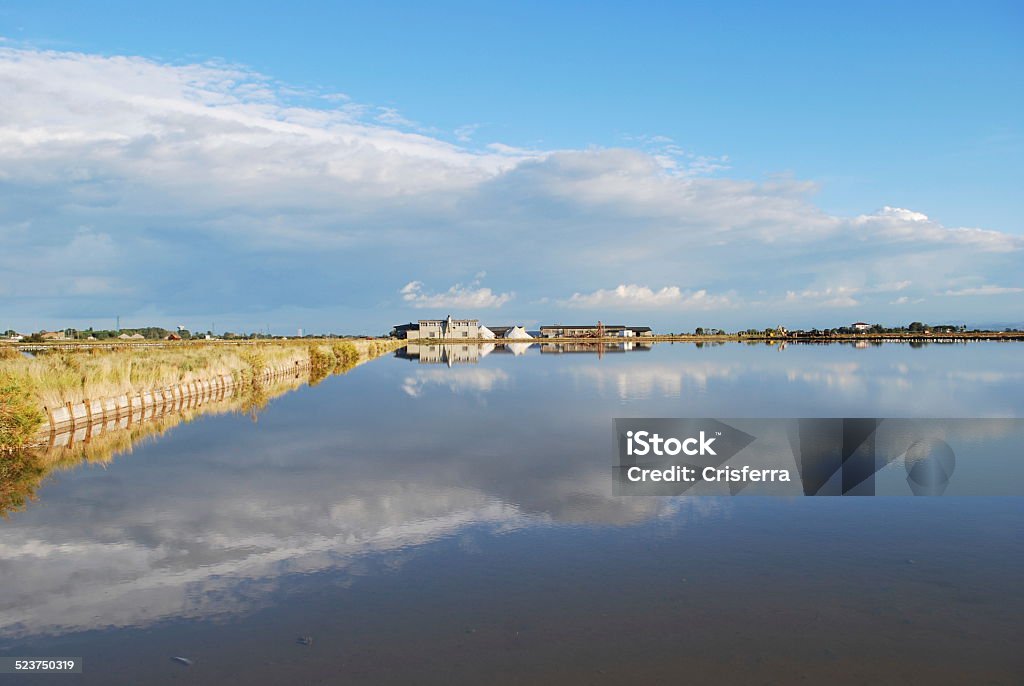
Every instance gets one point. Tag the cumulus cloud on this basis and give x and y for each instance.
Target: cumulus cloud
(468, 297)
(899, 224)
(643, 297)
(217, 184)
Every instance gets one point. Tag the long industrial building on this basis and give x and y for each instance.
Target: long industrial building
(593, 331)
(470, 329)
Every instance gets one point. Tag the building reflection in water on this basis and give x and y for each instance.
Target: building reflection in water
(471, 354)
(598, 349)
(444, 354)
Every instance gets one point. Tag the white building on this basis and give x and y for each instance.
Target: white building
(446, 329)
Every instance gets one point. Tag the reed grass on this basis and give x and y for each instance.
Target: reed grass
(23, 470)
(24, 467)
(60, 377)
(20, 414)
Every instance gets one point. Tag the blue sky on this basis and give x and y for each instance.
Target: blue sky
(681, 164)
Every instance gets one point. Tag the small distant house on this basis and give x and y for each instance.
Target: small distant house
(52, 335)
(15, 337)
(173, 337)
(861, 327)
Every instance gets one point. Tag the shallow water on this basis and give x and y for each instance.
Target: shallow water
(453, 522)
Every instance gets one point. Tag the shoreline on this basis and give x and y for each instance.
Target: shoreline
(65, 394)
(693, 338)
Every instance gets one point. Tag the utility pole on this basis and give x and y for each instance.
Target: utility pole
(119, 323)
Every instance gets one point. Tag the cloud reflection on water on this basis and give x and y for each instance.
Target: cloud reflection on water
(218, 514)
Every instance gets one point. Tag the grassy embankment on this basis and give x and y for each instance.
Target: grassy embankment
(55, 378)
(59, 377)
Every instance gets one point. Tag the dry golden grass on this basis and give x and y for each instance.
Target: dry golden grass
(20, 414)
(58, 377)
(112, 372)
(23, 469)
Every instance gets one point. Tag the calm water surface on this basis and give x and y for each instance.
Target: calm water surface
(453, 522)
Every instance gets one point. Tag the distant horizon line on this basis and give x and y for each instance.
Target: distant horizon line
(302, 332)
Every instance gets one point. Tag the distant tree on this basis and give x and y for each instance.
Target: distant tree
(699, 331)
(916, 327)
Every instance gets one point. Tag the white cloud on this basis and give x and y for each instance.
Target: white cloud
(905, 300)
(458, 296)
(392, 117)
(899, 224)
(985, 290)
(643, 297)
(901, 214)
(86, 115)
(891, 287)
(838, 296)
(465, 133)
(175, 163)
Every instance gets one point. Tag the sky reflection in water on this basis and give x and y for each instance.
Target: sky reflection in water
(359, 475)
